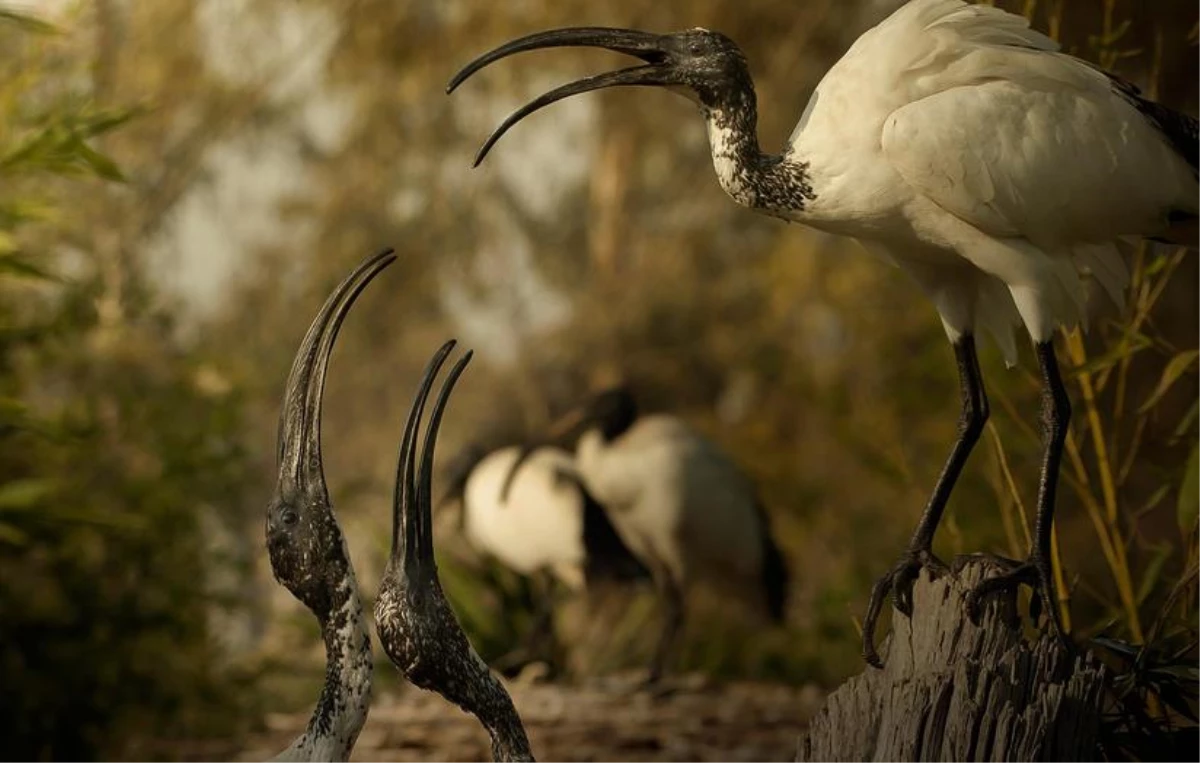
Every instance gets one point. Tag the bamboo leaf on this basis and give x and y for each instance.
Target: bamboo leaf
(1126, 346)
(100, 164)
(1175, 369)
(1120, 647)
(17, 211)
(1188, 508)
(1186, 422)
(25, 21)
(103, 121)
(1153, 569)
(12, 535)
(12, 264)
(24, 494)
(1171, 694)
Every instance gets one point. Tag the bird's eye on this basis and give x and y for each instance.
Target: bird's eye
(289, 517)
(695, 47)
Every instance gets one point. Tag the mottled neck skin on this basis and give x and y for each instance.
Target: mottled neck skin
(496, 712)
(773, 184)
(346, 697)
(420, 634)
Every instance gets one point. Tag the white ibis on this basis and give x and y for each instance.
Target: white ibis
(684, 509)
(962, 146)
(549, 525)
(307, 549)
(416, 626)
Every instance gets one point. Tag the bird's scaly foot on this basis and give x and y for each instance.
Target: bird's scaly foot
(899, 582)
(1034, 572)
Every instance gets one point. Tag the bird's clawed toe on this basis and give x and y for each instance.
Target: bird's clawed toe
(1035, 573)
(899, 582)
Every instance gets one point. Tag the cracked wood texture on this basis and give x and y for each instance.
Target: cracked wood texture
(952, 690)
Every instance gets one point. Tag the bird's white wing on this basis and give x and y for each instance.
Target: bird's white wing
(1040, 157)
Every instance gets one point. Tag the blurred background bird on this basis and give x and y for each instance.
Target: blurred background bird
(538, 519)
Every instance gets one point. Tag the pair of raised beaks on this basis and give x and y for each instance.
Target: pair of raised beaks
(309, 556)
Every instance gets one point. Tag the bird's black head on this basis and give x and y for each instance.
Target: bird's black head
(700, 63)
(612, 411)
(306, 545)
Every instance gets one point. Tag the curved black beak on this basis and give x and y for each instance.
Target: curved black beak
(651, 48)
(299, 438)
(412, 501)
(562, 432)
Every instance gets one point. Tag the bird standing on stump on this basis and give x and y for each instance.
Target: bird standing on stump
(959, 144)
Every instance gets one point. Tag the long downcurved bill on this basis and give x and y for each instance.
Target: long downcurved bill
(559, 434)
(643, 45)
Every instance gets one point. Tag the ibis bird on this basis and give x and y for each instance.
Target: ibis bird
(549, 525)
(684, 509)
(306, 546)
(965, 148)
(414, 621)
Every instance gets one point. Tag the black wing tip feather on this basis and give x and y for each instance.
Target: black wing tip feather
(1179, 129)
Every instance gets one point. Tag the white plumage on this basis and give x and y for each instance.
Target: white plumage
(682, 507)
(540, 524)
(963, 147)
(678, 502)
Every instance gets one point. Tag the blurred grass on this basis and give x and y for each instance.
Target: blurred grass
(109, 453)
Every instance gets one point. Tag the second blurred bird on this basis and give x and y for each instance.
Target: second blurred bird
(641, 497)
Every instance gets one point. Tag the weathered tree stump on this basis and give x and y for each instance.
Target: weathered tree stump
(953, 690)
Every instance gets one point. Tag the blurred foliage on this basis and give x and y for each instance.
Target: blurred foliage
(159, 271)
(109, 453)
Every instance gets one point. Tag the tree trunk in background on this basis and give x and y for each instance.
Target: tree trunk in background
(951, 690)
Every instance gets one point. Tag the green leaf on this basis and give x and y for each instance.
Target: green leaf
(1175, 369)
(1177, 700)
(1188, 508)
(1181, 672)
(1186, 422)
(26, 21)
(104, 120)
(12, 535)
(14, 212)
(20, 267)
(100, 164)
(1128, 345)
(1120, 647)
(1153, 569)
(24, 494)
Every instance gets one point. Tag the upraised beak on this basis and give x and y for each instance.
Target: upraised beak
(648, 47)
(299, 439)
(412, 501)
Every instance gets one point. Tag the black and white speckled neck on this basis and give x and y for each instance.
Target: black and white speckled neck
(772, 183)
(307, 548)
(416, 626)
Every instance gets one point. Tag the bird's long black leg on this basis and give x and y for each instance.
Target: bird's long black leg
(671, 595)
(899, 580)
(540, 641)
(1036, 571)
